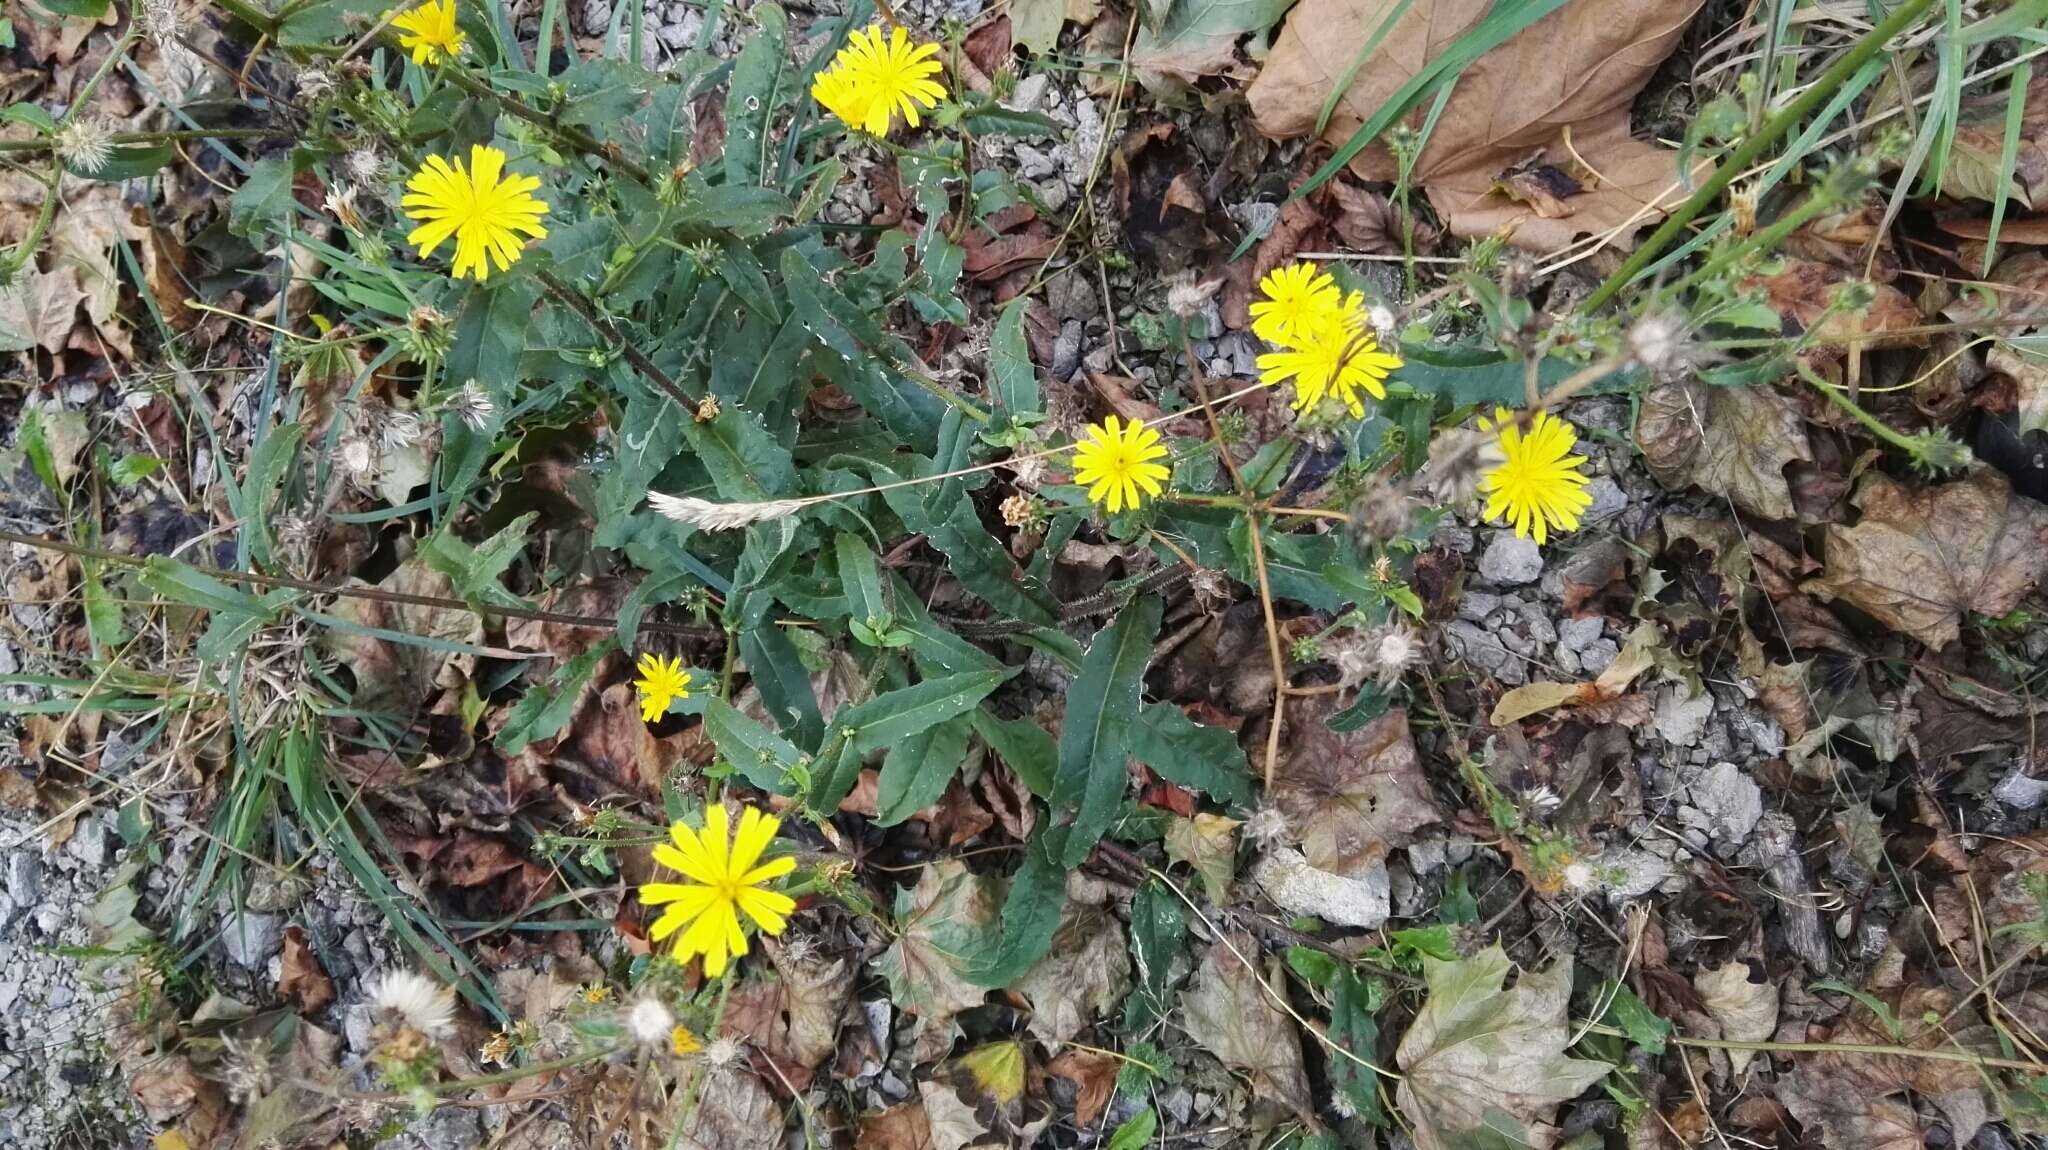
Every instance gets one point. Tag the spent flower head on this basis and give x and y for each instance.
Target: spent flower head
(1114, 461)
(650, 1022)
(472, 405)
(85, 144)
(1539, 485)
(415, 1001)
(727, 880)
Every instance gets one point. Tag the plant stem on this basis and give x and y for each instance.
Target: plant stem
(1747, 153)
(1876, 426)
(574, 301)
(180, 134)
(576, 138)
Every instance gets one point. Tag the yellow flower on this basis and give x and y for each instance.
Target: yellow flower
(1538, 484)
(1113, 461)
(661, 682)
(596, 994)
(429, 32)
(1300, 299)
(483, 211)
(683, 1042)
(873, 78)
(725, 881)
(1336, 359)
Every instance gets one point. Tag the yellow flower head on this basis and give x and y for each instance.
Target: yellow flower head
(1113, 461)
(682, 1042)
(429, 32)
(724, 881)
(1538, 484)
(661, 682)
(876, 76)
(1336, 359)
(481, 206)
(1299, 299)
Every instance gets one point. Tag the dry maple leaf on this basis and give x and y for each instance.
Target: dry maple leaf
(1228, 1011)
(1802, 292)
(1575, 71)
(1918, 560)
(1733, 441)
(1351, 796)
(1479, 1057)
(1085, 974)
(944, 920)
(1746, 1011)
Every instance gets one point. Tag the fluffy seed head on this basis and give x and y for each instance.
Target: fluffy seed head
(415, 1000)
(650, 1021)
(86, 144)
(473, 406)
(709, 516)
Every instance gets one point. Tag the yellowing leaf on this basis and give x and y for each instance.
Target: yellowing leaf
(1534, 698)
(1206, 844)
(1479, 1057)
(998, 1069)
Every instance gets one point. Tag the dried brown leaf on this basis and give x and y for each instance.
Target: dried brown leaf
(1094, 1079)
(1228, 1010)
(1803, 293)
(1350, 796)
(1086, 974)
(301, 978)
(1746, 1011)
(1917, 560)
(1576, 70)
(904, 1127)
(1732, 441)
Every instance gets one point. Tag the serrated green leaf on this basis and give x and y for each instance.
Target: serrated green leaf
(1159, 929)
(862, 579)
(1016, 377)
(1031, 913)
(1135, 1134)
(263, 200)
(750, 100)
(1089, 784)
(745, 462)
(476, 571)
(1642, 1025)
(544, 710)
(763, 758)
(1188, 753)
(891, 717)
(915, 771)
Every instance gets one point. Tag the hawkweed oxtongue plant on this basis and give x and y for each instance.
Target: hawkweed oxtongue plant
(525, 258)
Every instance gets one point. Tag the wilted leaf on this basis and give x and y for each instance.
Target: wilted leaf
(401, 676)
(1804, 294)
(734, 1112)
(1085, 974)
(38, 309)
(1094, 1079)
(1349, 797)
(301, 978)
(1976, 150)
(1848, 1098)
(1578, 68)
(1205, 842)
(982, 1093)
(902, 1127)
(1845, 1116)
(1917, 560)
(1733, 441)
(1199, 37)
(1747, 1011)
(1481, 1058)
(814, 992)
(1534, 698)
(948, 921)
(1230, 1013)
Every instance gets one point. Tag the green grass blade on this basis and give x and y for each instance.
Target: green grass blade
(1365, 52)
(2008, 155)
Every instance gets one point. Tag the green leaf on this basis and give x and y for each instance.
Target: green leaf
(599, 94)
(751, 99)
(34, 115)
(1471, 373)
(1090, 782)
(1016, 378)
(1031, 913)
(102, 615)
(1632, 1015)
(1189, 753)
(542, 712)
(1353, 1003)
(1159, 928)
(1025, 746)
(90, 9)
(862, 579)
(784, 684)
(1136, 1134)
(130, 470)
(269, 465)
(891, 717)
(319, 22)
(476, 571)
(761, 757)
(745, 462)
(181, 583)
(915, 771)
(995, 120)
(264, 199)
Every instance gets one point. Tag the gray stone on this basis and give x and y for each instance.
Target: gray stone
(1681, 718)
(1029, 90)
(1477, 605)
(1538, 624)
(1361, 901)
(249, 939)
(1567, 660)
(1597, 655)
(1066, 350)
(89, 842)
(448, 1128)
(1511, 560)
(2020, 792)
(1452, 537)
(24, 879)
(1609, 500)
(1729, 801)
(1484, 652)
(1630, 873)
(1577, 634)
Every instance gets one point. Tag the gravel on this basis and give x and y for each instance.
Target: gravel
(1511, 560)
